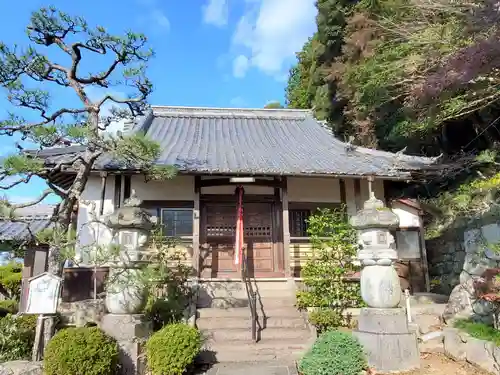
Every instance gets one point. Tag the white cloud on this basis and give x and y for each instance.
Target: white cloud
(153, 16)
(272, 31)
(240, 66)
(216, 12)
(160, 19)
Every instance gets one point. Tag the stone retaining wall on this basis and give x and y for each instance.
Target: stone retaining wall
(462, 347)
(445, 257)
(459, 258)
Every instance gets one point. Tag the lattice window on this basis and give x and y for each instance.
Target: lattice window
(298, 222)
(221, 221)
(177, 222)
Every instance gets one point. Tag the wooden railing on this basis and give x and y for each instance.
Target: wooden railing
(251, 295)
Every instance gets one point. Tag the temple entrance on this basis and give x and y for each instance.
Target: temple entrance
(218, 232)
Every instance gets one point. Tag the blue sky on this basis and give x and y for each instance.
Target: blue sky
(223, 53)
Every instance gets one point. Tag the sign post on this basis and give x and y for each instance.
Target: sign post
(43, 297)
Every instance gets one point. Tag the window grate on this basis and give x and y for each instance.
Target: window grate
(298, 222)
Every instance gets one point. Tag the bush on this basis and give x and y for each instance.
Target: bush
(17, 337)
(172, 349)
(85, 350)
(8, 306)
(326, 273)
(334, 353)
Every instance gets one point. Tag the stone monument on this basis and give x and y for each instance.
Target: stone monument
(382, 326)
(126, 291)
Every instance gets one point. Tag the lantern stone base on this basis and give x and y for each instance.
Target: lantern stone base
(390, 345)
(128, 331)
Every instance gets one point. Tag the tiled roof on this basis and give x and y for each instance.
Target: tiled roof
(254, 141)
(28, 221)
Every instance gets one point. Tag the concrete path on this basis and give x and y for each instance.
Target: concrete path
(250, 368)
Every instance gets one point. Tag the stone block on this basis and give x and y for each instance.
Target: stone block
(385, 321)
(129, 331)
(390, 344)
(126, 327)
(21, 368)
(455, 343)
(390, 353)
(483, 354)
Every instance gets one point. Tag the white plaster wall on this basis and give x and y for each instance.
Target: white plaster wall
(313, 189)
(408, 216)
(90, 233)
(179, 188)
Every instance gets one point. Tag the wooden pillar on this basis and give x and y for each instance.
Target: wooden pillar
(286, 228)
(357, 194)
(196, 227)
(350, 197)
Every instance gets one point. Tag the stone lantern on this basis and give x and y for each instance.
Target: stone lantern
(379, 280)
(390, 344)
(131, 227)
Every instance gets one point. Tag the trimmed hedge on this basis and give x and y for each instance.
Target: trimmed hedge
(334, 353)
(83, 350)
(172, 349)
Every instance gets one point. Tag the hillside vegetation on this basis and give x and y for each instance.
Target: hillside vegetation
(418, 75)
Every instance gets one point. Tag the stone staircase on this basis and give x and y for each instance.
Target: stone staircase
(224, 317)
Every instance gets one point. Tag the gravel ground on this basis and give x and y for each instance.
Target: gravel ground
(438, 364)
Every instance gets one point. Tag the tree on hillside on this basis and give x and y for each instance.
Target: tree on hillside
(408, 73)
(273, 105)
(421, 76)
(54, 66)
(310, 84)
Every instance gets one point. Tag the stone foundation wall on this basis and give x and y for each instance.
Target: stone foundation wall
(459, 258)
(461, 255)
(445, 258)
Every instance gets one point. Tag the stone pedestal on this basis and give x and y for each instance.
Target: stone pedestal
(129, 331)
(390, 345)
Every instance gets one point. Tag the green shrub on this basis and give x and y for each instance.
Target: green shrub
(172, 349)
(84, 350)
(334, 353)
(326, 273)
(17, 337)
(8, 306)
(479, 330)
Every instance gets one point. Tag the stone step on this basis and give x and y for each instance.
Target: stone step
(268, 350)
(230, 322)
(235, 302)
(239, 285)
(244, 312)
(266, 293)
(428, 298)
(428, 309)
(245, 334)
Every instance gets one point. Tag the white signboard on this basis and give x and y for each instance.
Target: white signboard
(43, 294)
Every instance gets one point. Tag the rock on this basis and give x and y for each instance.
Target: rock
(460, 300)
(21, 368)
(455, 343)
(483, 354)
